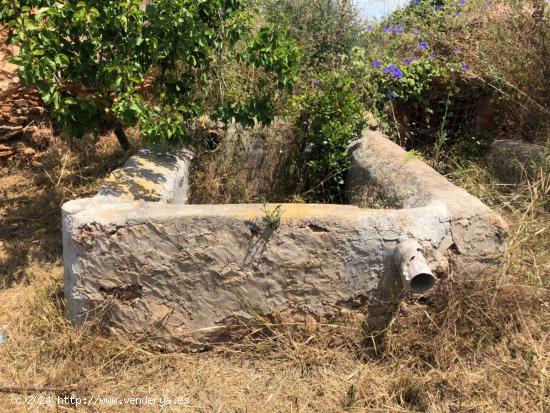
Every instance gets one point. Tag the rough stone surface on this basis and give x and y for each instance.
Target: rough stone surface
(191, 274)
(153, 175)
(512, 160)
(475, 232)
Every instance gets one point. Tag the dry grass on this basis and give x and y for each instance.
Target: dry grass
(245, 166)
(470, 346)
(30, 217)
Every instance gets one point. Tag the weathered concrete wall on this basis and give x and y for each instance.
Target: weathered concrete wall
(475, 233)
(160, 175)
(188, 274)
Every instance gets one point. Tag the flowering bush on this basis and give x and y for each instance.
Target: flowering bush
(410, 80)
(501, 46)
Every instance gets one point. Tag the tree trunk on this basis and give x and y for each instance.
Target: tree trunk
(122, 138)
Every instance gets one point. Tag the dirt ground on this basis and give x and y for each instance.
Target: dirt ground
(477, 345)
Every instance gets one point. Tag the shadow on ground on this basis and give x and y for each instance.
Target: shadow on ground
(32, 196)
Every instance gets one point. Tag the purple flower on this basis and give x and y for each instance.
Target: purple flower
(422, 45)
(394, 70)
(313, 81)
(377, 64)
(459, 3)
(464, 67)
(398, 29)
(407, 61)
(370, 28)
(387, 29)
(390, 95)
(438, 8)
(416, 31)
(415, 1)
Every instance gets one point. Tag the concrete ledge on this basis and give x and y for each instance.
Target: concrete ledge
(379, 166)
(189, 275)
(159, 175)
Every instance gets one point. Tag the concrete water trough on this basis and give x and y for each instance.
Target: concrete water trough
(144, 263)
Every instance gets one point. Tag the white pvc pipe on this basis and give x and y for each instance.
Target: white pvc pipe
(413, 268)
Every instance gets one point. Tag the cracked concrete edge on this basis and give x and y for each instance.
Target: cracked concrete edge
(157, 174)
(377, 161)
(354, 248)
(410, 183)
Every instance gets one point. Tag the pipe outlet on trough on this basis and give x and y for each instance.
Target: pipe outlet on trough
(413, 268)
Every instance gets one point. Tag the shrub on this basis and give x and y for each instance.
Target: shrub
(112, 64)
(255, 101)
(475, 49)
(325, 29)
(330, 117)
(418, 97)
(11, 9)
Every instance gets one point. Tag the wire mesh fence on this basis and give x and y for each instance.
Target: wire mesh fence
(443, 115)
